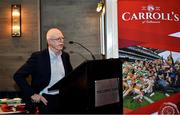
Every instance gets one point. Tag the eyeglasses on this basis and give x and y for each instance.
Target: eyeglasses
(58, 39)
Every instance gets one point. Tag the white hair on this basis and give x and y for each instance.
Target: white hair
(53, 33)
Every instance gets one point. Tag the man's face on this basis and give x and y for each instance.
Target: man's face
(56, 40)
(57, 43)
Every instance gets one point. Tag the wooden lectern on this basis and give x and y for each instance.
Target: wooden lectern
(93, 87)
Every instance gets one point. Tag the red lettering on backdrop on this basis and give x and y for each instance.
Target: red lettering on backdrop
(149, 24)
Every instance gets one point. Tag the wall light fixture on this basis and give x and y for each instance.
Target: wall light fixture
(16, 20)
(100, 6)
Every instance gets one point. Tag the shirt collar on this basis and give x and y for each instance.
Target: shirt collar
(53, 55)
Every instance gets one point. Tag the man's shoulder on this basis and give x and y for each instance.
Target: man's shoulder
(38, 53)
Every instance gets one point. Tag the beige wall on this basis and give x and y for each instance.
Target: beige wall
(15, 51)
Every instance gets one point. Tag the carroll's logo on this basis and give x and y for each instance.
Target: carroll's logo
(150, 14)
(169, 109)
(150, 8)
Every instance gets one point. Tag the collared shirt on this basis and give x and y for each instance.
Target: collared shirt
(57, 72)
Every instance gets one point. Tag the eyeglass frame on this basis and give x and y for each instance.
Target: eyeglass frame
(58, 39)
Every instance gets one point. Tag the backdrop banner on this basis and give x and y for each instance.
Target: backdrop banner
(151, 24)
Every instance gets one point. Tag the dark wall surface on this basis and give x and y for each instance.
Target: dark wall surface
(78, 20)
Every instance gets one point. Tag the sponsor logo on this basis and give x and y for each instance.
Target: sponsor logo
(168, 108)
(150, 14)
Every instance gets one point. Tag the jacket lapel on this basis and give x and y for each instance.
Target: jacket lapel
(47, 65)
(64, 63)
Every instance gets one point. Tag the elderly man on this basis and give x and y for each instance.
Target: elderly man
(46, 68)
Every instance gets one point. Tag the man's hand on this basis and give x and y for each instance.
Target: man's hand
(36, 98)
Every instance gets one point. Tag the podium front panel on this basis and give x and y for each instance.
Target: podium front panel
(93, 87)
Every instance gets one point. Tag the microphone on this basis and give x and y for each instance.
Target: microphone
(79, 54)
(72, 42)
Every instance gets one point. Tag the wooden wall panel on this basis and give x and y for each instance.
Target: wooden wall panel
(15, 51)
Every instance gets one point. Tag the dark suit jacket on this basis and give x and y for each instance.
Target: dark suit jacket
(38, 66)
